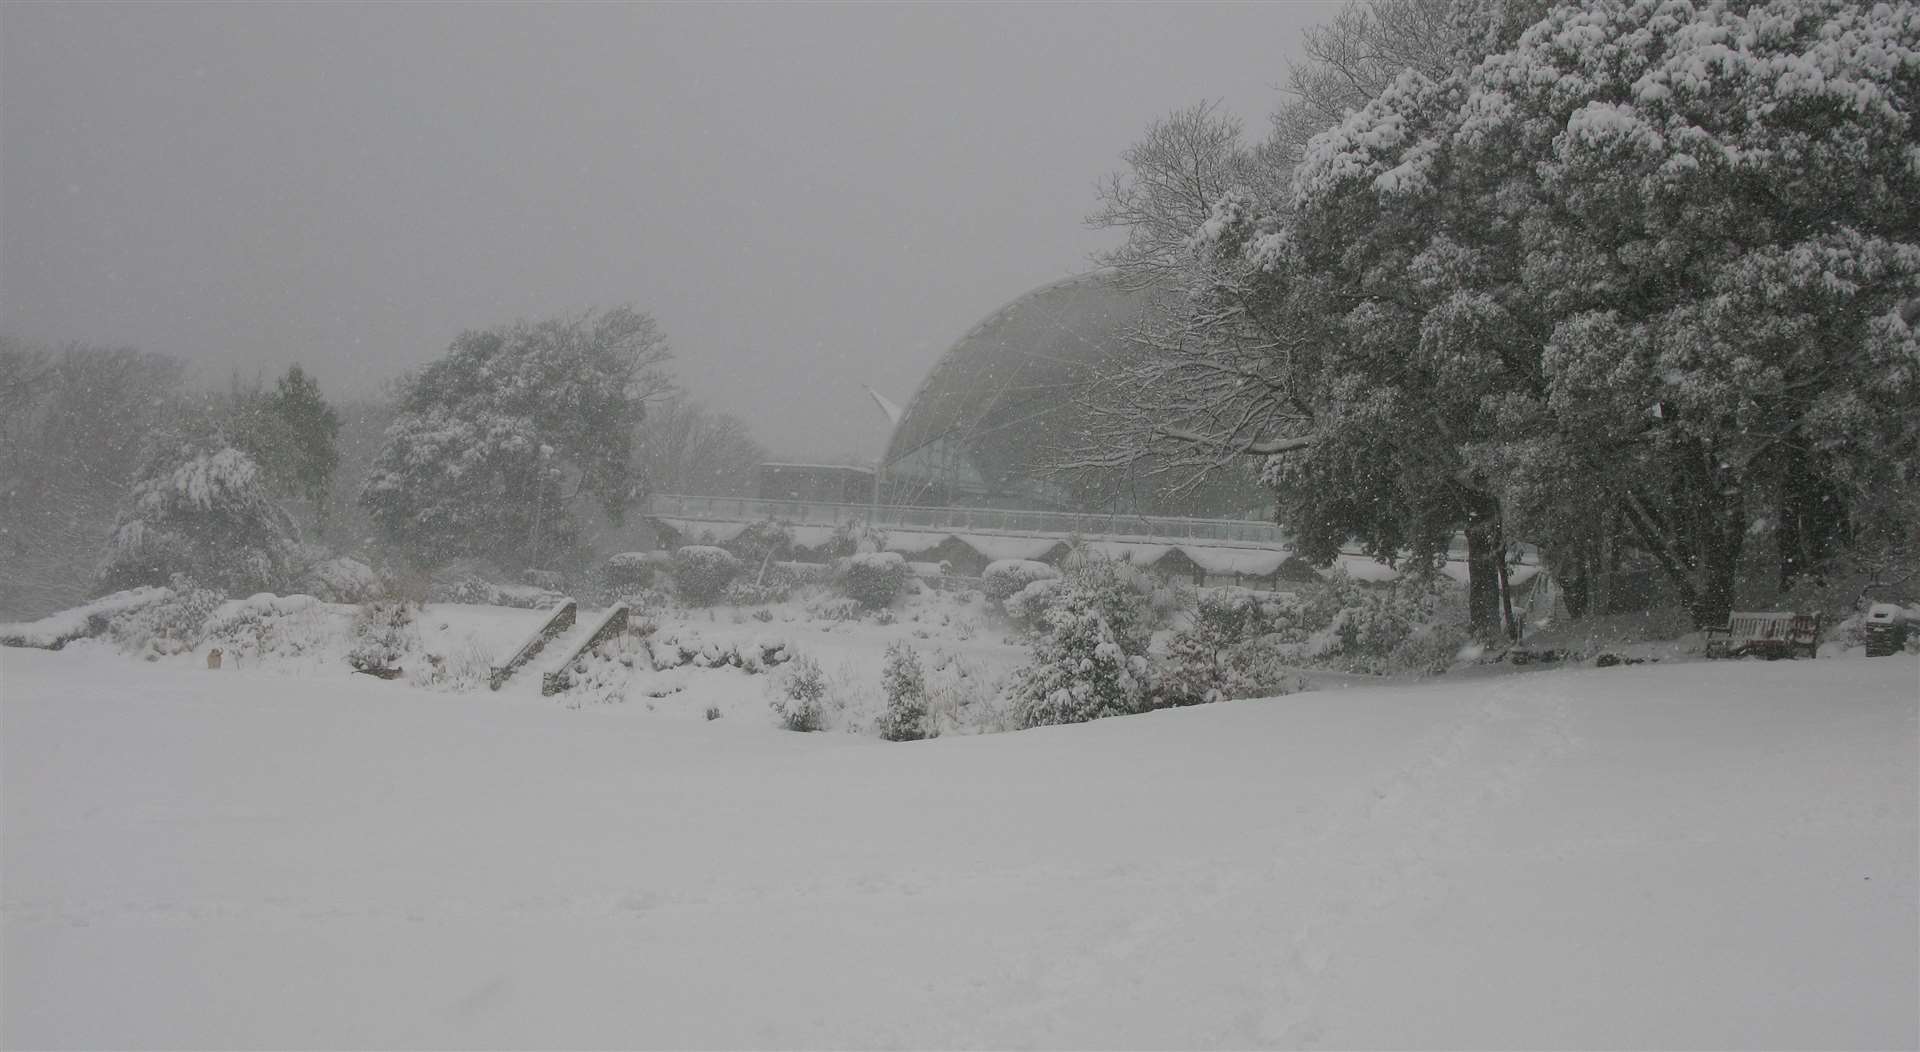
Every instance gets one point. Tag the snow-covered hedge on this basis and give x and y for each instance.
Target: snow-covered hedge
(874, 579)
(57, 630)
(630, 571)
(173, 625)
(701, 572)
(1005, 578)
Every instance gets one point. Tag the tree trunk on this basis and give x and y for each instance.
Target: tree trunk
(1483, 572)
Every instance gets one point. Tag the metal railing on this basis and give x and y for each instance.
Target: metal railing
(963, 520)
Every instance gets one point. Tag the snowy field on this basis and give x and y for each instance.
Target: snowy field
(1683, 855)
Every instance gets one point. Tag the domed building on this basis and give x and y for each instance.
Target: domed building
(998, 412)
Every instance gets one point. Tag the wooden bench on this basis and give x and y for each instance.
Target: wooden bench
(1772, 635)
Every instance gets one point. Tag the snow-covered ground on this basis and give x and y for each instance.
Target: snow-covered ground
(1680, 855)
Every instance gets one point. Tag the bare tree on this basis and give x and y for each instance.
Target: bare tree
(1173, 176)
(686, 447)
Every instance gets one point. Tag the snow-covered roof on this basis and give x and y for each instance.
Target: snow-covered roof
(995, 546)
(1136, 553)
(912, 541)
(1251, 562)
(694, 530)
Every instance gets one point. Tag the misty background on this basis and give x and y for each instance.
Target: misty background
(808, 198)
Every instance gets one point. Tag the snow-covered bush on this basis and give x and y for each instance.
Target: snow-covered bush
(1357, 628)
(854, 538)
(701, 572)
(773, 583)
(760, 542)
(339, 579)
(628, 572)
(685, 648)
(382, 633)
(273, 626)
(1429, 650)
(904, 682)
(1005, 578)
(173, 625)
(1090, 659)
(1026, 609)
(800, 697)
(82, 622)
(467, 666)
(874, 579)
(832, 608)
(204, 514)
(1235, 646)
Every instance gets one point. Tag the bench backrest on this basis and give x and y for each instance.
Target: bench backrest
(1780, 625)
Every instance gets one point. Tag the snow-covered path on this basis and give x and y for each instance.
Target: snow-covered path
(1689, 855)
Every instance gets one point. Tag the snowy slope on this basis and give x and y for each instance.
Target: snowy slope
(1696, 855)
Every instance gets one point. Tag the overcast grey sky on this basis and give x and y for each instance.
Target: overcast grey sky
(807, 197)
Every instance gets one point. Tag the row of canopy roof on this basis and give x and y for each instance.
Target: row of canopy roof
(968, 553)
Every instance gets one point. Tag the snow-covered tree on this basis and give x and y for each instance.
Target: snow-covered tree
(497, 440)
(1089, 659)
(74, 428)
(904, 681)
(1721, 231)
(202, 513)
(686, 447)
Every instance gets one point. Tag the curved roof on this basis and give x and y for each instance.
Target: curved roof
(1000, 395)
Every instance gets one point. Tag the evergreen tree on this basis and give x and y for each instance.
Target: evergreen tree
(496, 441)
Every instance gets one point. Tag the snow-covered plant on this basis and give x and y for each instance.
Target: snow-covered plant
(200, 512)
(272, 626)
(1197, 664)
(340, 579)
(904, 682)
(761, 542)
(382, 633)
(800, 696)
(497, 439)
(629, 572)
(854, 538)
(701, 572)
(173, 625)
(874, 579)
(773, 583)
(1004, 578)
(1091, 659)
(1026, 608)
(466, 666)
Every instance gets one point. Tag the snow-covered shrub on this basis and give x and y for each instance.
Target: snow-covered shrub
(1005, 578)
(1026, 609)
(833, 608)
(82, 622)
(904, 682)
(1229, 650)
(547, 580)
(466, 666)
(173, 625)
(761, 542)
(1090, 659)
(272, 626)
(701, 572)
(874, 579)
(628, 572)
(1356, 628)
(1429, 651)
(339, 579)
(382, 632)
(200, 513)
(684, 648)
(800, 699)
(854, 538)
(773, 583)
